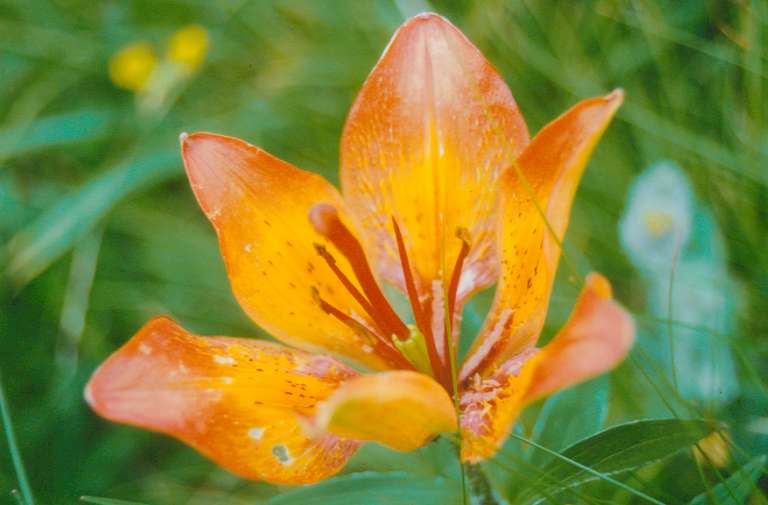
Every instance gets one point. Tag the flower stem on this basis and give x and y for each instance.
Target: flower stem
(480, 489)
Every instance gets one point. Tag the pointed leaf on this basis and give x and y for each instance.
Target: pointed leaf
(617, 449)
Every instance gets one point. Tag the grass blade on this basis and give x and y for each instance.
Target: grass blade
(615, 450)
(18, 464)
(69, 219)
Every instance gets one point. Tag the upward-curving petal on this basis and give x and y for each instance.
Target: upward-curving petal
(424, 142)
(596, 338)
(259, 206)
(238, 401)
(532, 209)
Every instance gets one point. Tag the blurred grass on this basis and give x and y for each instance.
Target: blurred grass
(99, 231)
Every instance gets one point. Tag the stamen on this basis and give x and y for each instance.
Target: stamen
(326, 222)
(381, 347)
(356, 294)
(463, 235)
(418, 311)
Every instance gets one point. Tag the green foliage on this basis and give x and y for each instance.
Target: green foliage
(737, 488)
(99, 231)
(618, 449)
(572, 415)
(395, 488)
(107, 501)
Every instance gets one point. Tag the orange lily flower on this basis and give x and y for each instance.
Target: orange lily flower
(444, 194)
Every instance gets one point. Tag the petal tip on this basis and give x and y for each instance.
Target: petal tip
(599, 285)
(94, 396)
(617, 95)
(427, 23)
(188, 140)
(427, 16)
(88, 395)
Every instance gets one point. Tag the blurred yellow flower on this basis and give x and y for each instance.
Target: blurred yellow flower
(131, 67)
(713, 449)
(188, 46)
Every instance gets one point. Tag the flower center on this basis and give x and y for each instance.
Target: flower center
(658, 222)
(408, 346)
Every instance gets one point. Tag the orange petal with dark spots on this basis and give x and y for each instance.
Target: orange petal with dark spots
(431, 130)
(596, 338)
(238, 401)
(401, 409)
(551, 166)
(259, 206)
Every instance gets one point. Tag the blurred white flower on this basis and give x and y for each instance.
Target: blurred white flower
(702, 311)
(664, 228)
(657, 221)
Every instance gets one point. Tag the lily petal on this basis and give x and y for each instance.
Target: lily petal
(237, 401)
(401, 409)
(424, 142)
(259, 206)
(552, 166)
(596, 338)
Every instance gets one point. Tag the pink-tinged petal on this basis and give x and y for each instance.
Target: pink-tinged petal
(490, 406)
(260, 206)
(427, 137)
(238, 401)
(401, 409)
(552, 166)
(596, 338)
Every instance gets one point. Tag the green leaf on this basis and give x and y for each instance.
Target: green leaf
(571, 415)
(617, 449)
(394, 488)
(54, 130)
(71, 217)
(736, 488)
(107, 501)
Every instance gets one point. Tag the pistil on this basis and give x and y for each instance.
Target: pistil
(419, 314)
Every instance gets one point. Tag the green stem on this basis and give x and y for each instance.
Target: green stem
(480, 489)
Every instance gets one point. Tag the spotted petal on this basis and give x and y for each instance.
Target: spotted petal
(237, 401)
(595, 339)
(551, 167)
(401, 409)
(259, 206)
(429, 133)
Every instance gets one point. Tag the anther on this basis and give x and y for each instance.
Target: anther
(350, 287)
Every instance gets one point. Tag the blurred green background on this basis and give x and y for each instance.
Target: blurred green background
(99, 230)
